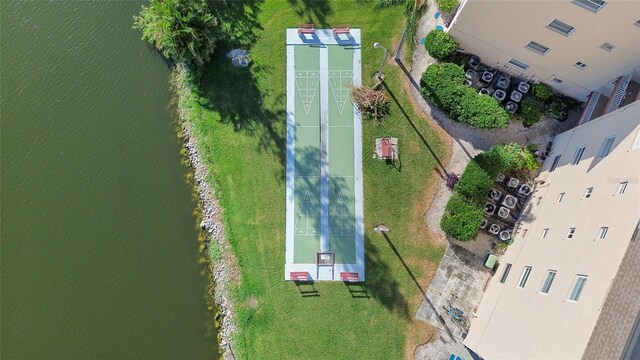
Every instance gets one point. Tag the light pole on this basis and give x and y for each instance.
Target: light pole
(379, 74)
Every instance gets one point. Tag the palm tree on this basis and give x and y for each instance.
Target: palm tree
(182, 30)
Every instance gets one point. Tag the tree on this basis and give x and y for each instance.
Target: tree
(182, 30)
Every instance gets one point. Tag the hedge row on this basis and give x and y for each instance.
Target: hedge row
(440, 44)
(463, 213)
(444, 85)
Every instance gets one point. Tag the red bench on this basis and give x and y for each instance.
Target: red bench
(349, 276)
(306, 29)
(341, 30)
(299, 276)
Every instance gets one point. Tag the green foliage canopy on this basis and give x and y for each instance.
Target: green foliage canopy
(531, 112)
(542, 91)
(447, 5)
(440, 44)
(182, 30)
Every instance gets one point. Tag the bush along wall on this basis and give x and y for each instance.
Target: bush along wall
(463, 213)
(440, 44)
(443, 84)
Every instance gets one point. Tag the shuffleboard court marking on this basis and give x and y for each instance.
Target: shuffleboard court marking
(307, 221)
(307, 84)
(338, 79)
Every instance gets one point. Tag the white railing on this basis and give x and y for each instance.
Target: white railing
(618, 96)
(590, 107)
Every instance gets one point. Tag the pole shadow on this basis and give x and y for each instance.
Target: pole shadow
(413, 125)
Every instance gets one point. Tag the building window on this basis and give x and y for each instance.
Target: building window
(622, 187)
(637, 23)
(539, 200)
(603, 233)
(525, 276)
(560, 197)
(605, 149)
(556, 80)
(580, 65)
(571, 232)
(559, 26)
(544, 233)
(588, 192)
(505, 274)
(537, 47)
(554, 164)
(636, 142)
(593, 5)
(518, 64)
(546, 285)
(607, 46)
(578, 286)
(578, 156)
(524, 233)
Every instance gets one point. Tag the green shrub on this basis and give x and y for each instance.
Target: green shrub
(443, 84)
(531, 112)
(542, 91)
(508, 158)
(474, 182)
(481, 111)
(440, 44)
(440, 82)
(560, 105)
(447, 5)
(461, 219)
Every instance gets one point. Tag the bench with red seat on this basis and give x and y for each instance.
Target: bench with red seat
(349, 276)
(306, 29)
(299, 276)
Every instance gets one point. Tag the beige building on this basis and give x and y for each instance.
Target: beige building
(587, 49)
(554, 295)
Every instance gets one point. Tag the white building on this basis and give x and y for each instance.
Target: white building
(587, 49)
(554, 289)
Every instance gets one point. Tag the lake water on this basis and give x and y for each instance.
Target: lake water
(99, 246)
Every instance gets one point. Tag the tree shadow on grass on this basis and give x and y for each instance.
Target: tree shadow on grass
(235, 95)
(313, 10)
(380, 284)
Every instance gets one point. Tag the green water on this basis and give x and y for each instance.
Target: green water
(99, 257)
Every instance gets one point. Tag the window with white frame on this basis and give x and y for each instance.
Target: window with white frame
(539, 200)
(544, 233)
(593, 5)
(622, 187)
(561, 27)
(607, 144)
(518, 64)
(554, 164)
(636, 142)
(603, 233)
(578, 156)
(578, 286)
(537, 48)
(546, 285)
(505, 273)
(524, 277)
(588, 192)
(607, 46)
(570, 233)
(524, 232)
(637, 23)
(580, 65)
(556, 80)
(560, 197)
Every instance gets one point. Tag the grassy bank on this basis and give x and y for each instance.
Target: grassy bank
(239, 121)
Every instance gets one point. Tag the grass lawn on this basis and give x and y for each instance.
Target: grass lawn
(240, 122)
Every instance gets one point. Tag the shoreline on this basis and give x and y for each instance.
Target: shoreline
(223, 266)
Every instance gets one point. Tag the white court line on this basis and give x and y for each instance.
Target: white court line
(357, 149)
(324, 149)
(290, 168)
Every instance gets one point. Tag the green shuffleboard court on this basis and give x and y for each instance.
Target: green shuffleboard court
(324, 237)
